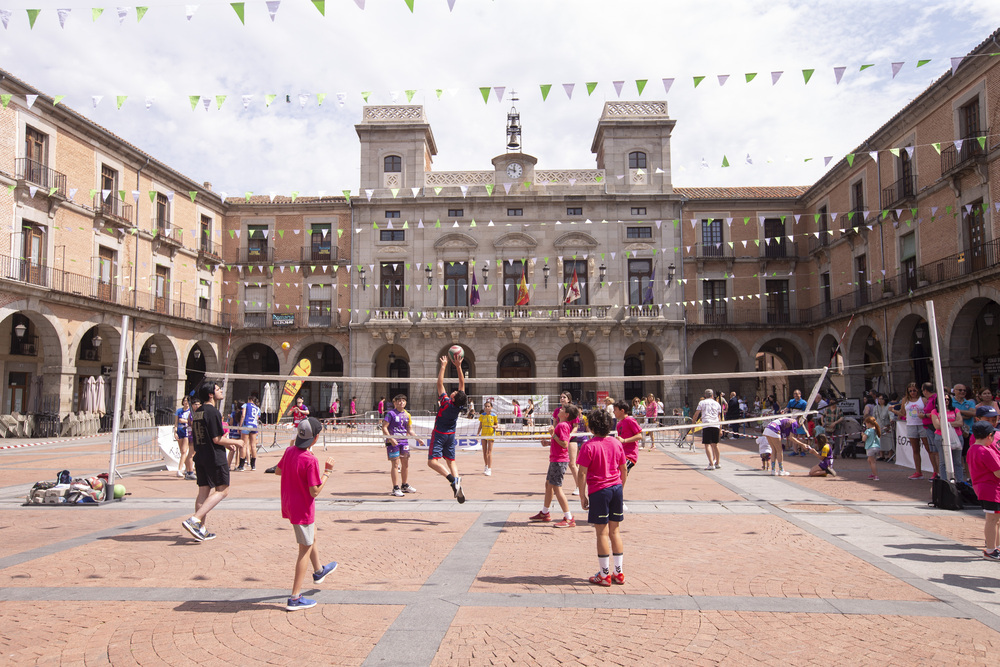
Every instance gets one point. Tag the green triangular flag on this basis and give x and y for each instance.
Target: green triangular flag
(140, 12)
(921, 63)
(591, 86)
(409, 3)
(546, 87)
(220, 100)
(192, 194)
(374, 225)
(319, 99)
(527, 185)
(982, 142)
(57, 99)
(864, 67)
(194, 99)
(473, 224)
(5, 100)
(697, 80)
(321, 6)
(394, 191)
(640, 84)
(725, 161)
(152, 196)
(95, 12)
(365, 94)
(807, 74)
(410, 94)
(340, 232)
(406, 224)
(751, 76)
(238, 7)
(121, 100)
(937, 147)
(438, 92)
(850, 159)
(347, 196)
(32, 15)
(438, 223)
(268, 99)
(485, 90)
(489, 189)
(121, 195)
(437, 190)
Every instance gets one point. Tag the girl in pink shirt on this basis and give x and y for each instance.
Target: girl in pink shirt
(603, 468)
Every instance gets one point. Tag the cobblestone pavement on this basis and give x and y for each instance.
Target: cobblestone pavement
(722, 567)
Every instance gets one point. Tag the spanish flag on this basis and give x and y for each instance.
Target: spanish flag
(522, 291)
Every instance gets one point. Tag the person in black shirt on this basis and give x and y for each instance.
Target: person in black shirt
(733, 412)
(210, 461)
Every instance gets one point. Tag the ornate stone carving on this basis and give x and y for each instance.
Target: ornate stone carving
(515, 240)
(575, 240)
(640, 109)
(569, 176)
(388, 113)
(456, 240)
(446, 178)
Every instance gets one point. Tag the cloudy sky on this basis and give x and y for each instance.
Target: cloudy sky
(519, 44)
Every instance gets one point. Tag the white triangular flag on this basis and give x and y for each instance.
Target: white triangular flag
(272, 8)
(189, 11)
(838, 72)
(618, 87)
(63, 15)
(895, 68)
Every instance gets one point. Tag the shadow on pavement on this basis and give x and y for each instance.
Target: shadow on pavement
(979, 584)
(232, 607)
(557, 580)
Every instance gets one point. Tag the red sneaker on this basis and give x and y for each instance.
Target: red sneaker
(618, 578)
(916, 475)
(541, 516)
(571, 523)
(599, 580)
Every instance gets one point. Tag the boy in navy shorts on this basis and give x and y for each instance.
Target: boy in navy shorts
(396, 426)
(603, 468)
(442, 441)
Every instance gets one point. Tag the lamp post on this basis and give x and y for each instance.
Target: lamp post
(486, 273)
(545, 274)
(20, 330)
(430, 275)
(96, 340)
(671, 270)
(603, 272)
(361, 274)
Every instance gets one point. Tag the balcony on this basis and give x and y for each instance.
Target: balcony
(113, 211)
(318, 320)
(817, 242)
(36, 173)
(713, 251)
(453, 313)
(320, 253)
(166, 236)
(257, 255)
(390, 315)
(585, 312)
(644, 311)
(26, 346)
(954, 161)
(723, 314)
(899, 192)
(254, 320)
(209, 253)
(779, 248)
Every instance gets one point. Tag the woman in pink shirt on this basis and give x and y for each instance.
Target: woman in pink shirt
(603, 469)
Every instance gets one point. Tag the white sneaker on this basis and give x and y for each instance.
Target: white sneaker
(624, 507)
(180, 473)
(396, 491)
(576, 492)
(784, 473)
(774, 472)
(487, 471)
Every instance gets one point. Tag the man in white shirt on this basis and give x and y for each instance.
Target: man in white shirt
(711, 414)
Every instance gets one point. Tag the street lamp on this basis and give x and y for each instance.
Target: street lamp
(197, 353)
(20, 330)
(361, 274)
(486, 273)
(545, 274)
(430, 275)
(671, 270)
(96, 340)
(152, 348)
(603, 272)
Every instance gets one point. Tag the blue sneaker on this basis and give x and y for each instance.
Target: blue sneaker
(294, 604)
(318, 577)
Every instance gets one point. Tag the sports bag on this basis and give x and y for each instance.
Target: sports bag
(945, 495)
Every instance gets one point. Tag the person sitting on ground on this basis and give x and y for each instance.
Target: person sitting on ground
(825, 456)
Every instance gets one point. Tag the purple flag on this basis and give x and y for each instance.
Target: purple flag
(474, 297)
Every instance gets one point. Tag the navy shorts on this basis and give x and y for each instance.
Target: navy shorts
(442, 446)
(212, 474)
(607, 505)
(710, 435)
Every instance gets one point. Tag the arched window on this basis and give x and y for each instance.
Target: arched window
(636, 160)
(394, 164)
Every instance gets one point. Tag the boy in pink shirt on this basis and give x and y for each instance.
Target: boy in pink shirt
(629, 433)
(300, 484)
(561, 450)
(984, 468)
(603, 468)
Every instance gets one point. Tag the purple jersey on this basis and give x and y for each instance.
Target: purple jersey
(398, 422)
(785, 426)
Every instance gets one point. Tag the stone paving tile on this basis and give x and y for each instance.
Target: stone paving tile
(204, 633)
(760, 556)
(256, 550)
(22, 530)
(547, 636)
(959, 527)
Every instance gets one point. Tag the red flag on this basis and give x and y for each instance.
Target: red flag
(573, 293)
(522, 291)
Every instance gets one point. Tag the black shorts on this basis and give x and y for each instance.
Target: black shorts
(211, 474)
(990, 507)
(607, 505)
(710, 435)
(629, 464)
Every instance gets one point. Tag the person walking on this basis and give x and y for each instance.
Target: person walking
(710, 413)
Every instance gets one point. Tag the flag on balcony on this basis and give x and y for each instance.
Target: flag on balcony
(522, 291)
(474, 297)
(573, 293)
(647, 297)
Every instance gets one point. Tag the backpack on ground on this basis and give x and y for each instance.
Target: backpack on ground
(968, 494)
(64, 477)
(945, 495)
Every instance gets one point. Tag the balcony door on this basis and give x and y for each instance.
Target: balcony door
(107, 269)
(37, 157)
(33, 251)
(975, 229)
(161, 288)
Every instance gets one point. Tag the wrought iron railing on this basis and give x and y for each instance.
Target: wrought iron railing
(39, 174)
(952, 158)
(903, 189)
(114, 209)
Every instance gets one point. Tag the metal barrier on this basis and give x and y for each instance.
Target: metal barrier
(137, 446)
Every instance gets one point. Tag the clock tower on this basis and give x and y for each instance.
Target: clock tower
(514, 168)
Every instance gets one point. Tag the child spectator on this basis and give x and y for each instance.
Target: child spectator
(764, 448)
(529, 413)
(487, 427)
(604, 468)
(301, 482)
(561, 450)
(299, 412)
(825, 456)
(395, 427)
(984, 468)
(873, 444)
(629, 433)
(515, 407)
(441, 444)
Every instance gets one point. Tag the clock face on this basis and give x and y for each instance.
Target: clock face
(514, 170)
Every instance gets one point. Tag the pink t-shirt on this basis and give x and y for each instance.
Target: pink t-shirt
(626, 429)
(982, 461)
(559, 454)
(299, 471)
(651, 409)
(930, 405)
(603, 458)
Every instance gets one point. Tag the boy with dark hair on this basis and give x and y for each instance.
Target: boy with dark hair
(603, 469)
(561, 450)
(301, 482)
(442, 441)
(396, 426)
(210, 463)
(984, 469)
(629, 433)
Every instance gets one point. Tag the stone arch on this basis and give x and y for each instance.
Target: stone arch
(745, 361)
(574, 240)
(970, 343)
(456, 240)
(785, 351)
(515, 240)
(864, 360)
(584, 393)
(300, 345)
(721, 353)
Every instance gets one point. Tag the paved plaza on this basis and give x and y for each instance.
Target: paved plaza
(724, 567)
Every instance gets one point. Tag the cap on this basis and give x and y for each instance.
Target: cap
(983, 429)
(309, 428)
(985, 411)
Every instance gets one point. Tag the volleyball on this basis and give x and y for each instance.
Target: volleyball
(285, 345)
(456, 353)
